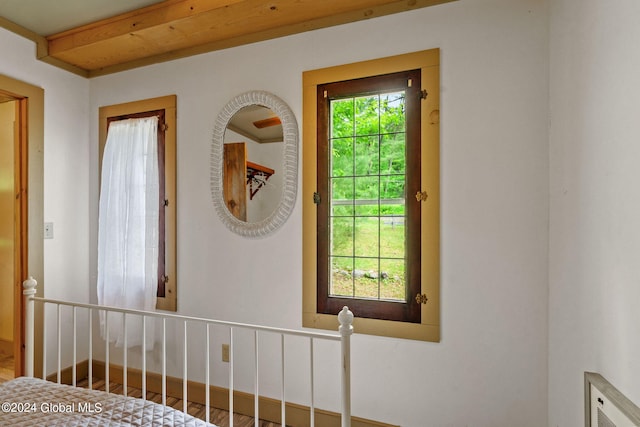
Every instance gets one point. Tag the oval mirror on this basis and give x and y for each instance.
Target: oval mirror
(254, 158)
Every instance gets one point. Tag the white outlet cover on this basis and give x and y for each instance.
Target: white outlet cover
(48, 230)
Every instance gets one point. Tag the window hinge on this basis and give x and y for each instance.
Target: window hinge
(164, 279)
(421, 196)
(166, 202)
(316, 198)
(422, 299)
(423, 94)
(164, 127)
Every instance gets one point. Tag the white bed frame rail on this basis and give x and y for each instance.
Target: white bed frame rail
(345, 318)
(606, 406)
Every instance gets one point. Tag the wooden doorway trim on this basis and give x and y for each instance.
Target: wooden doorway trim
(21, 231)
(29, 207)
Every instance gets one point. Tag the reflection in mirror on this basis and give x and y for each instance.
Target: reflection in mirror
(254, 163)
(252, 181)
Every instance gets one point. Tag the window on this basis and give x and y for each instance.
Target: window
(368, 161)
(370, 186)
(163, 113)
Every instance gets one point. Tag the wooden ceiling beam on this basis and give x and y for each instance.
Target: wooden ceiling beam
(178, 28)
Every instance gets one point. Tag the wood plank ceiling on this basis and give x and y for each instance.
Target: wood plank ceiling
(178, 28)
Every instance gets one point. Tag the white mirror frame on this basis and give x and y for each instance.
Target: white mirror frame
(289, 164)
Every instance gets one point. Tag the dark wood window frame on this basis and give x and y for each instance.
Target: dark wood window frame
(409, 82)
(162, 196)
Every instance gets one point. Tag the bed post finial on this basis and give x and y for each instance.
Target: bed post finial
(345, 317)
(29, 290)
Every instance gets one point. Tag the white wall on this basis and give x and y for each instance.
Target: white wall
(66, 168)
(594, 201)
(490, 368)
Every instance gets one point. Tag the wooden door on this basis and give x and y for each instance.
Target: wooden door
(234, 179)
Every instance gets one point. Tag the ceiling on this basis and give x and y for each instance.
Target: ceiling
(257, 123)
(47, 17)
(97, 37)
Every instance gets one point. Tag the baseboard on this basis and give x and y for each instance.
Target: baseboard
(66, 374)
(243, 403)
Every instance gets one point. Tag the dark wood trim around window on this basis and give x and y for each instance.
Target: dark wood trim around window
(408, 310)
(161, 167)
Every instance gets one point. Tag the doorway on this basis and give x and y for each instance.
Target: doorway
(21, 216)
(12, 230)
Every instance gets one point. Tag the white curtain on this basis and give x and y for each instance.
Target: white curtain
(128, 227)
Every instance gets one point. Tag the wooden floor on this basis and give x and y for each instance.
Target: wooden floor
(217, 416)
(6, 367)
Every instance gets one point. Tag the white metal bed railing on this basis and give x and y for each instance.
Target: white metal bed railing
(345, 318)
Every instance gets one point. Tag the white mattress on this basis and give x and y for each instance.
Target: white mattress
(35, 402)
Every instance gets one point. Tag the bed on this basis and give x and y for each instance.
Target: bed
(32, 401)
(39, 401)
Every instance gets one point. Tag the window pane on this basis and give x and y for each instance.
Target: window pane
(393, 208)
(392, 279)
(342, 157)
(342, 118)
(392, 117)
(366, 278)
(341, 277)
(366, 239)
(367, 115)
(367, 155)
(342, 208)
(342, 236)
(367, 195)
(392, 237)
(392, 154)
(342, 195)
(392, 187)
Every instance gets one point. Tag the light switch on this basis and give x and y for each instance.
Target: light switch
(48, 230)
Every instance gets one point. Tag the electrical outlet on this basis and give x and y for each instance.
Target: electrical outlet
(225, 352)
